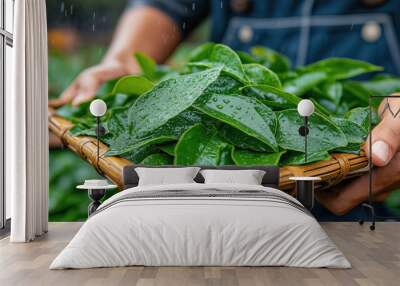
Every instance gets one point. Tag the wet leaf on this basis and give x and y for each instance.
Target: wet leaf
(271, 59)
(221, 56)
(360, 116)
(351, 148)
(147, 65)
(244, 113)
(199, 146)
(259, 74)
(305, 82)
(340, 68)
(157, 159)
(323, 135)
(271, 95)
(251, 158)
(297, 158)
(167, 99)
(333, 91)
(132, 85)
(242, 140)
(354, 132)
(168, 149)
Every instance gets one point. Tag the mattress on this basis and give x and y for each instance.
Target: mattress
(201, 225)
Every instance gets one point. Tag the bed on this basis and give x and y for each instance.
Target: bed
(198, 224)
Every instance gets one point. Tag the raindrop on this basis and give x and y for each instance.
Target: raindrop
(238, 108)
(220, 106)
(215, 99)
(226, 101)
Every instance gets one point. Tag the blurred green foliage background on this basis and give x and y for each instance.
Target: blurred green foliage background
(79, 33)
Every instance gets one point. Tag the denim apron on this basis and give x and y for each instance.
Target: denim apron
(310, 30)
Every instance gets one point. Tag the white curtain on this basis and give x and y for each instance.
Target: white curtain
(26, 124)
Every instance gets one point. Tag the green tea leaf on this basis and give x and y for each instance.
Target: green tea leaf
(333, 91)
(242, 140)
(74, 112)
(222, 56)
(125, 142)
(244, 113)
(168, 148)
(360, 116)
(147, 65)
(199, 146)
(167, 99)
(119, 144)
(224, 85)
(246, 58)
(261, 75)
(297, 158)
(351, 148)
(271, 59)
(304, 82)
(382, 87)
(139, 154)
(273, 95)
(83, 130)
(132, 85)
(201, 52)
(359, 95)
(340, 68)
(323, 135)
(354, 132)
(225, 157)
(157, 159)
(251, 158)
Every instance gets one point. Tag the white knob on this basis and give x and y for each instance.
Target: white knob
(305, 107)
(98, 107)
(371, 31)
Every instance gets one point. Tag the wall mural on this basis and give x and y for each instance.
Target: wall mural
(213, 105)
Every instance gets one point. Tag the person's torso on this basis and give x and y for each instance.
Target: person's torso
(310, 30)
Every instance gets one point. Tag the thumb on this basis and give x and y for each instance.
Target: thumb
(385, 139)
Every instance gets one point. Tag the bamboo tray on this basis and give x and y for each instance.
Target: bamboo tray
(332, 172)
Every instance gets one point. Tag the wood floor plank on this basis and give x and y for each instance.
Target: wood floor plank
(375, 258)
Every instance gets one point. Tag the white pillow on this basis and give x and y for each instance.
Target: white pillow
(247, 177)
(166, 176)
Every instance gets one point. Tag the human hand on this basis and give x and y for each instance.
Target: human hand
(385, 155)
(85, 86)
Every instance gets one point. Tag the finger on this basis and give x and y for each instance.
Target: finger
(345, 197)
(82, 97)
(56, 102)
(385, 141)
(70, 92)
(65, 97)
(87, 90)
(385, 136)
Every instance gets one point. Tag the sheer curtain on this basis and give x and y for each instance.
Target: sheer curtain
(26, 124)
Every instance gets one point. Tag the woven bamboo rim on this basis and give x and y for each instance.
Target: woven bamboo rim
(332, 172)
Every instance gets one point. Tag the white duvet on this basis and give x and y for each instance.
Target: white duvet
(188, 231)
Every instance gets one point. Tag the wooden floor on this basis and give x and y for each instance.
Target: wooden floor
(375, 257)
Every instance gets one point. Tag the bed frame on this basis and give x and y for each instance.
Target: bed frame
(270, 179)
